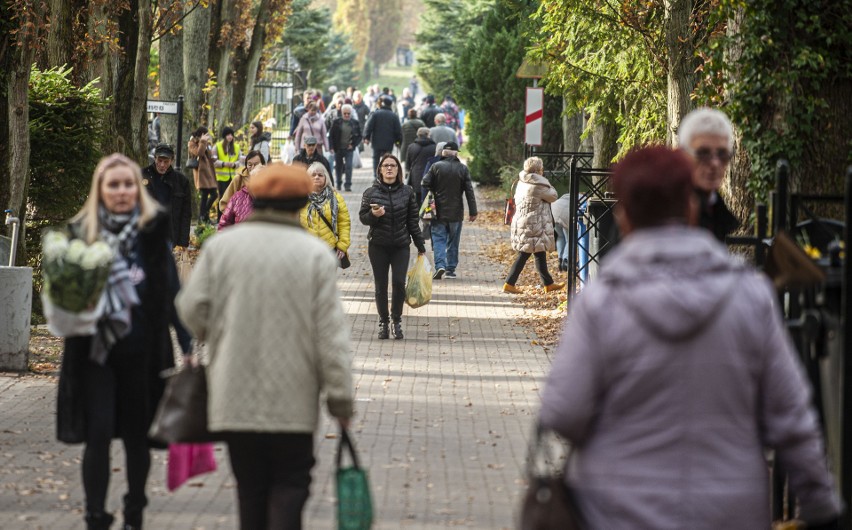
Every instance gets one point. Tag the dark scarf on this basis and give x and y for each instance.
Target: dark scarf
(119, 231)
(317, 203)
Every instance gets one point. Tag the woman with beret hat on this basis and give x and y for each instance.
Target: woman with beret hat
(253, 264)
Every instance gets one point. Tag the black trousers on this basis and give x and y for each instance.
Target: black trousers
(222, 188)
(383, 258)
(273, 472)
(540, 265)
(208, 197)
(116, 390)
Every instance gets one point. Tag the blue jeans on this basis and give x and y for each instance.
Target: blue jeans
(561, 241)
(445, 244)
(343, 162)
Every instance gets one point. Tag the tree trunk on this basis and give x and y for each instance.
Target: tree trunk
(196, 36)
(572, 130)
(139, 114)
(605, 141)
(220, 61)
(19, 137)
(60, 39)
(101, 62)
(826, 155)
(171, 81)
(247, 70)
(681, 77)
(741, 204)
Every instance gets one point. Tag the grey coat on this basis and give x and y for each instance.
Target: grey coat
(532, 225)
(675, 372)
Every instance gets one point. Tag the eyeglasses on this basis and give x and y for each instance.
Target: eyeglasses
(317, 174)
(347, 113)
(389, 166)
(252, 165)
(706, 155)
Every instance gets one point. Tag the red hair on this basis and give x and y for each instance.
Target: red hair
(654, 186)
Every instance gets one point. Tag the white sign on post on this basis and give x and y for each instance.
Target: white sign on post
(534, 116)
(162, 107)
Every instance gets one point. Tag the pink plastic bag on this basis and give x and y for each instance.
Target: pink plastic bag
(187, 461)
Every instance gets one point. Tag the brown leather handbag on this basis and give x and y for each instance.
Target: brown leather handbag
(509, 212)
(549, 503)
(182, 413)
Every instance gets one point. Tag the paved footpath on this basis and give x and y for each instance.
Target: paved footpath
(443, 417)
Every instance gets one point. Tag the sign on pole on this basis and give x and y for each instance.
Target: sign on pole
(162, 107)
(534, 114)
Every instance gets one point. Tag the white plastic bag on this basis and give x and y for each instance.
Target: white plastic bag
(288, 152)
(356, 159)
(418, 284)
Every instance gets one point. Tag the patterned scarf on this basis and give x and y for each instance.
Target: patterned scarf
(120, 232)
(317, 203)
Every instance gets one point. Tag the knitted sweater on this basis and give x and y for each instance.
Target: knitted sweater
(274, 344)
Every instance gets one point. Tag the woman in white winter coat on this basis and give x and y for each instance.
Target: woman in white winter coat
(532, 225)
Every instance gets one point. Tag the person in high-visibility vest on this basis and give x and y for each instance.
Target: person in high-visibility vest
(227, 161)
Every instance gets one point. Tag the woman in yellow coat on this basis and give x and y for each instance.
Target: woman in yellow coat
(326, 214)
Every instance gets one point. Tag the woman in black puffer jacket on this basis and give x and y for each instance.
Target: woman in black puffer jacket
(390, 209)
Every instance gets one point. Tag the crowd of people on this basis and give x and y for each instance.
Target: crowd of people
(673, 375)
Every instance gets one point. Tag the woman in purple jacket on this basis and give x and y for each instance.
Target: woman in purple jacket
(675, 374)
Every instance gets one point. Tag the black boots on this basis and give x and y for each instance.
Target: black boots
(383, 329)
(99, 521)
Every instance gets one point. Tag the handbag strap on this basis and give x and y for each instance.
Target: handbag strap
(328, 223)
(538, 448)
(350, 448)
(513, 187)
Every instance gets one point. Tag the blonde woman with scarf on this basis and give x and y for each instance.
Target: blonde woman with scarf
(109, 384)
(326, 215)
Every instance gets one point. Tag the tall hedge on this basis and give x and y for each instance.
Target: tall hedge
(494, 98)
(67, 125)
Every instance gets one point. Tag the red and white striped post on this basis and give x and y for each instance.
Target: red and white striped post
(534, 115)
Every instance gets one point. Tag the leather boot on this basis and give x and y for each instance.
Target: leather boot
(383, 329)
(99, 520)
(397, 329)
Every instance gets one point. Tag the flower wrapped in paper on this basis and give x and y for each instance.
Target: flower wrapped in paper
(74, 278)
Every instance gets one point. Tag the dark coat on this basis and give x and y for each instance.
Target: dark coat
(304, 159)
(401, 222)
(448, 179)
(415, 160)
(363, 111)
(383, 130)
(334, 134)
(180, 202)
(409, 134)
(716, 217)
(429, 113)
(151, 349)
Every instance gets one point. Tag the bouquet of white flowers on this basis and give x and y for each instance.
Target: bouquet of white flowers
(74, 278)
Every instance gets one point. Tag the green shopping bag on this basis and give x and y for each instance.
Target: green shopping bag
(354, 504)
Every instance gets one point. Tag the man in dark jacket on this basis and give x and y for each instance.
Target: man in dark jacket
(409, 134)
(428, 114)
(449, 179)
(383, 131)
(172, 190)
(418, 153)
(309, 154)
(344, 136)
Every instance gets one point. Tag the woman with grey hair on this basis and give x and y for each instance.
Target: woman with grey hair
(326, 215)
(708, 136)
(532, 225)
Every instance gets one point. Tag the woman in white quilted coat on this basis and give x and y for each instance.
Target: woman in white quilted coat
(532, 225)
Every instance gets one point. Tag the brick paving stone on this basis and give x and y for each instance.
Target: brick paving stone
(443, 417)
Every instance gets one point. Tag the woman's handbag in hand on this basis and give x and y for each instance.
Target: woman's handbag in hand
(344, 261)
(192, 163)
(549, 503)
(509, 213)
(354, 503)
(182, 413)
